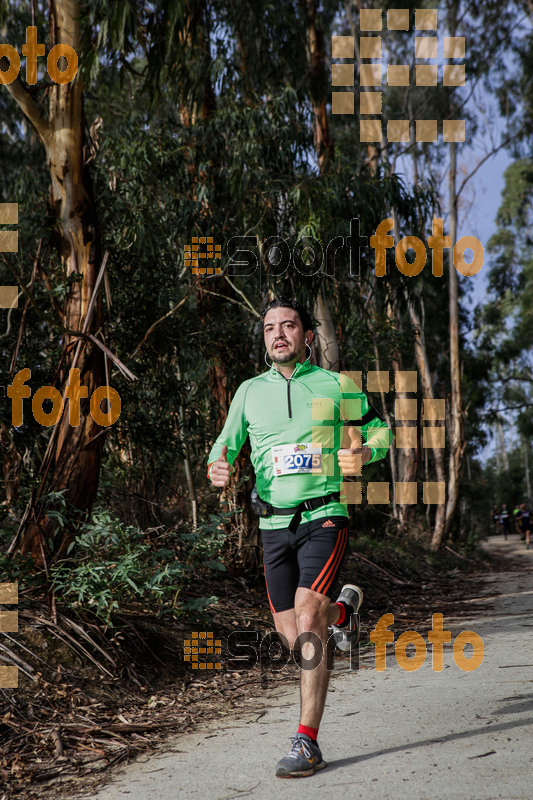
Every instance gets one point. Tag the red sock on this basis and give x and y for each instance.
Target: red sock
(342, 609)
(311, 732)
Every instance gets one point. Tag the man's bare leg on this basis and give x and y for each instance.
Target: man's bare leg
(310, 618)
(285, 622)
(314, 613)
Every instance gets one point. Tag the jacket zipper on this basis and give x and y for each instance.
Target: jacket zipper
(289, 406)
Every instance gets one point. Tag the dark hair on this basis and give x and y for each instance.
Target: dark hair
(285, 302)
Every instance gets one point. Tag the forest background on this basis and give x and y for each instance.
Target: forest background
(213, 119)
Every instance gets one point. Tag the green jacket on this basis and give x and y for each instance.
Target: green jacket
(311, 407)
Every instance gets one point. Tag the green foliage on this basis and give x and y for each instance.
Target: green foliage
(113, 567)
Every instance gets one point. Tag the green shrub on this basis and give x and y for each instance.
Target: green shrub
(111, 566)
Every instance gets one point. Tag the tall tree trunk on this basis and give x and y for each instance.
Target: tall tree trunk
(503, 448)
(427, 388)
(326, 334)
(319, 83)
(392, 449)
(73, 456)
(457, 427)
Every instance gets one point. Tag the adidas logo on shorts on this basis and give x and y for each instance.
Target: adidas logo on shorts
(328, 524)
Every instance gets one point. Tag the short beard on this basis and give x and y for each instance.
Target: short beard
(282, 359)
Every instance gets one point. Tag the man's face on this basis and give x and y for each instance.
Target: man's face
(285, 336)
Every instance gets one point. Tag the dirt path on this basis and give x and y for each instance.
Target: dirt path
(391, 734)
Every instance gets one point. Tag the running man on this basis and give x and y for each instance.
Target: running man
(295, 416)
(524, 520)
(504, 520)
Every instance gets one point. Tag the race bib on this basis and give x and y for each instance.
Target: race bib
(288, 459)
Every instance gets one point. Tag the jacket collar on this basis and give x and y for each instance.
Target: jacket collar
(299, 369)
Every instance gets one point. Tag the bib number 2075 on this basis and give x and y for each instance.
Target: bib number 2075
(299, 460)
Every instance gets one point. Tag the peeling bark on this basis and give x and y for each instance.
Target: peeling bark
(73, 456)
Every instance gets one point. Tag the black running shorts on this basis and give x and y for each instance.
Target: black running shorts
(312, 558)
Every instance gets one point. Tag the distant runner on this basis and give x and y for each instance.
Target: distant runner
(495, 514)
(294, 415)
(524, 520)
(504, 520)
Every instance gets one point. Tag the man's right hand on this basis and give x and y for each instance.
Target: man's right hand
(221, 469)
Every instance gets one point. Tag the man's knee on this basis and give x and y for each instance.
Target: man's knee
(312, 616)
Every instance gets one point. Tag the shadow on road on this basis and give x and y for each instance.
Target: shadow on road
(503, 726)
